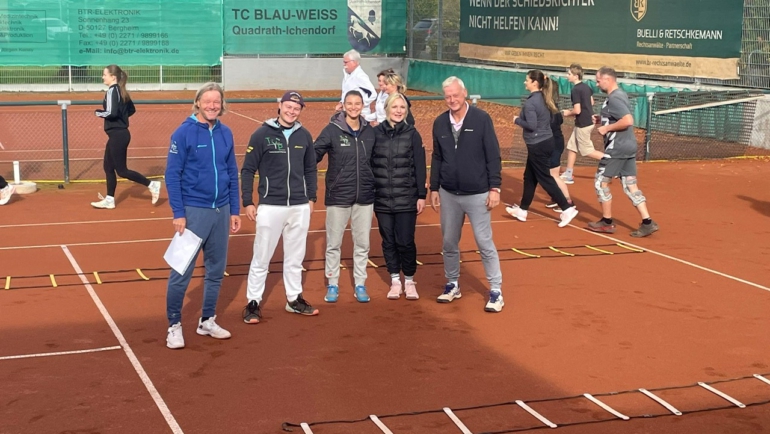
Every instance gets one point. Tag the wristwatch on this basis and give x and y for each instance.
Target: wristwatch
(495, 189)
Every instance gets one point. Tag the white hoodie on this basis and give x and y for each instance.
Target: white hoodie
(358, 80)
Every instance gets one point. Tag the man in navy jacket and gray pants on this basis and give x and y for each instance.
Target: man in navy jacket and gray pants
(465, 179)
(202, 184)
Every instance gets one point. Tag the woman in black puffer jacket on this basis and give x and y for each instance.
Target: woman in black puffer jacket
(398, 163)
(348, 139)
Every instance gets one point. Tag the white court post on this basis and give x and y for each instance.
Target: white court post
(16, 173)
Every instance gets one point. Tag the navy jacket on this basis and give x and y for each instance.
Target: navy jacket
(287, 169)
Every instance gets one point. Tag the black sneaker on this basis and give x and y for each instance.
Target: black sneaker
(252, 313)
(301, 307)
(645, 230)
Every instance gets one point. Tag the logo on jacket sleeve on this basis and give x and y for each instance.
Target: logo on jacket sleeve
(173, 149)
(344, 141)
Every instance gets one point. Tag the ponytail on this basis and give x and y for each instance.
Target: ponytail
(122, 77)
(550, 94)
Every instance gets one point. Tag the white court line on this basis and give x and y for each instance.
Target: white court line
(87, 222)
(1, 146)
(60, 353)
(152, 240)
(725, 396)
(534, 413)
(457, 421)
(170, 420)
(380, 425)
(663, 255)
(661, 401)
(244, 116)
(606, 407)
(305, 428)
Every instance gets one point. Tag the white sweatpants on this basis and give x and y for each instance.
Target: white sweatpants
(273, 221)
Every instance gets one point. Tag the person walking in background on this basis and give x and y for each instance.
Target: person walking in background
(117, 107)
(535, 120)
(582, 110)
(281, 151)
(619, 161)
(354, 78)
(465, 179)
(202, 185)
(6, 191)
(557, 120)
(399, 167)
(348, 139)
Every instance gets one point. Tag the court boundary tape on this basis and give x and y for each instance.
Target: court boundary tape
(135, 363)
(670, 410)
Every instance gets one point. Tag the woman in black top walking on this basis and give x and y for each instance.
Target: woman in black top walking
(535, 120)
(398, 164)
(117, 107)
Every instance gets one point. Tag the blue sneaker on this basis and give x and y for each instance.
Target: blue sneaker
(332, 293)
(361, 294)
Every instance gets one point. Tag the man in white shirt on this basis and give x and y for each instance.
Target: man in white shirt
(355, 78)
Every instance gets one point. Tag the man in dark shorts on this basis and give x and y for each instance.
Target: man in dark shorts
(619, 161)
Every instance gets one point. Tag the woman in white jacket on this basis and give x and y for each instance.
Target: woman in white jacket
(390, 82)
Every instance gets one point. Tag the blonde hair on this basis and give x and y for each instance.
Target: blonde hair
(205, 88)
(391, 99)
(395, 80)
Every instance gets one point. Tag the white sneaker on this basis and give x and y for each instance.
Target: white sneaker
(105, 202)
(211, 328)
(567, 216)
(174, 339)
(495, 303)
(451, 291)
(155, 191)
(568, 179)
(6, 193)
(517, 213)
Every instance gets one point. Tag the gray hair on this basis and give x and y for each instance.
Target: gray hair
(451, 80)
(354, 56)
(205, 88)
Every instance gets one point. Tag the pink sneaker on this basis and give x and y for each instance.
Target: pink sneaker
(411, 290)
(395, 289)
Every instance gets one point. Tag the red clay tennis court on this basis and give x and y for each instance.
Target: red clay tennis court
(691, 307)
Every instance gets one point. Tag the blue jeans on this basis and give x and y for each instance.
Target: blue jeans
(213, 226)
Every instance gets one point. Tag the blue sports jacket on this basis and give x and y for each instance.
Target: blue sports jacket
(201, 170)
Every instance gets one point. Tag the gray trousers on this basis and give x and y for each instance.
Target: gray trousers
(337, 217)
(454, 208)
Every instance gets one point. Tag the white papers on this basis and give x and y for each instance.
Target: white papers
(182, 250)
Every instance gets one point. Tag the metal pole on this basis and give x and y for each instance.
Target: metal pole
(440, 46)
(411, 28)
(65, 139)
(648, 134)
(161, 77)
(69, 73)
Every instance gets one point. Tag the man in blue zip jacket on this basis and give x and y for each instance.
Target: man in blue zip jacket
(281, 150)
(202, 184)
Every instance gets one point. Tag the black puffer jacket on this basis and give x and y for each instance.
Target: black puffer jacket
(398, 162)
(349, 178)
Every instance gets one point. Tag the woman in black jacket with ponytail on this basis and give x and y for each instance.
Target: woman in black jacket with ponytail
(398, 164)
(117, 107)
